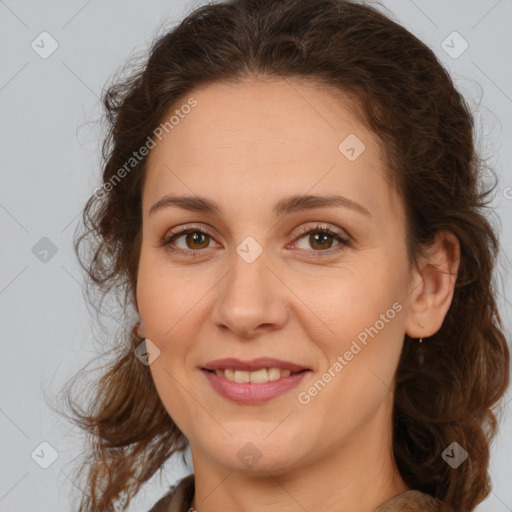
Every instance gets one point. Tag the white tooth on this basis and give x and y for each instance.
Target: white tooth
(241, 376)
(274, 373)
(259, 376)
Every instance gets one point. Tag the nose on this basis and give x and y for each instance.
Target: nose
(251, 299)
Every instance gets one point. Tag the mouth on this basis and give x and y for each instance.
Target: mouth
(254, 386)
(253, 382)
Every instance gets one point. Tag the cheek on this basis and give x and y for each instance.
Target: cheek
(345, 306)
(173, 304)
(361, 328)
(164, 297)
(170, 385)
(356, 376)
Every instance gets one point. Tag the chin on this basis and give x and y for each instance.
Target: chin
(256, 455)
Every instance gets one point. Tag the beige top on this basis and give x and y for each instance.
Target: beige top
(179, 499)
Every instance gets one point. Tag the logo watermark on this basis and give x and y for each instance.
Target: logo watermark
(304, 397)
(143, 151)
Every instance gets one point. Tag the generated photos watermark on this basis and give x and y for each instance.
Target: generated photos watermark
(143, 151)
(304, 397)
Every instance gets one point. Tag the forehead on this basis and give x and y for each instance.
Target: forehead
(264, 138)
(283, 115)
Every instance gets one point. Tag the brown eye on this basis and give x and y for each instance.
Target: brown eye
(194, 240)
(321, 240)
(196, 237)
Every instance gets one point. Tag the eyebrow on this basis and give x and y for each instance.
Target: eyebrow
(283, 207)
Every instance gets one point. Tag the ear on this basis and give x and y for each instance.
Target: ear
(432, 286)
(141, 333)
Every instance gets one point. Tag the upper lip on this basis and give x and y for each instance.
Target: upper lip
(252, 365)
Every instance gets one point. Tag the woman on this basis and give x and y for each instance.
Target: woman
(291, 201)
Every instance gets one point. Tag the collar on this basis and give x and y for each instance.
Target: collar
(179, 499)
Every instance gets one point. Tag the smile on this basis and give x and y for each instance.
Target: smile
(254, 387)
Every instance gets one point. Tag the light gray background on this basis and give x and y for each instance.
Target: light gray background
(50, 164)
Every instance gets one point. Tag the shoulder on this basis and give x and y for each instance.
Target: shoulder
(410, 501)
(178, 498)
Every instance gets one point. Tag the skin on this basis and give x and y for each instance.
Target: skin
(246, 146)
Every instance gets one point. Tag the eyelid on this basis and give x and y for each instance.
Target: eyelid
(299, 231)
(322, 226)
(189, 226)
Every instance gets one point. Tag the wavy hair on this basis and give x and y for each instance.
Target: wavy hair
(406, 97)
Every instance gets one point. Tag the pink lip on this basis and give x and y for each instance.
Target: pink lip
(249, 392)
(254, 364)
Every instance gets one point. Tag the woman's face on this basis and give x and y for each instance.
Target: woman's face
(248, 282)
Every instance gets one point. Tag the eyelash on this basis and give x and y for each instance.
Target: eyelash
(343, 242)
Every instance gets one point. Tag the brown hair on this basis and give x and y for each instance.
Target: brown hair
(406, 97)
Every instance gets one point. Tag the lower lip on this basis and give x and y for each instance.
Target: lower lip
(253, 393)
